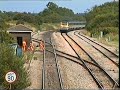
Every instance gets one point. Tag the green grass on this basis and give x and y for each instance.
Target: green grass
(43, 27)
(113, 42)
(38, 56)
(27, 56)
(49, 26)
(110, 40)
(29, 25)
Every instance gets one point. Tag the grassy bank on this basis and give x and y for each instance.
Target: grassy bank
(109, 39)
(49, 26)
(43, 27)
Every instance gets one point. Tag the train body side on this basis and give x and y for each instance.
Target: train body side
(73, 25)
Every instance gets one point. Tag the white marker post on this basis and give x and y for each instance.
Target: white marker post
(10, 77)
(101, 34)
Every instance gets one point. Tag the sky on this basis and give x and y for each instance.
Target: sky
(36, 6)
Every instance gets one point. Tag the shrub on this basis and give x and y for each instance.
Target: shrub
(20, 22)
(8, 62)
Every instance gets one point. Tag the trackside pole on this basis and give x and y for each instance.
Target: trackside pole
(10, 87)
(43, 70)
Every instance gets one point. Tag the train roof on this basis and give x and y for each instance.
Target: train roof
(74, 21)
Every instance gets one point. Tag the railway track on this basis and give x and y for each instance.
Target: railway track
(58, 54)
(93, 67)
(71, 58)
(52, 77)
(34, 34)
(106, 52)
(101, 77)
(106, 62)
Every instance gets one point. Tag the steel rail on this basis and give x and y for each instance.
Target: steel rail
(70, 56)
(34, 34)
(96, 62)
(98, 50)
(57, 66)
(56, 62)
(100, 45)
(88, 69)
(37, 40)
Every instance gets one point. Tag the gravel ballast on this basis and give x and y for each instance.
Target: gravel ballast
(74, 76)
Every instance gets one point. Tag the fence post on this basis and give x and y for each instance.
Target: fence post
(101, 34)
(109, 39)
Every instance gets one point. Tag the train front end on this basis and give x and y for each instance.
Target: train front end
(64, 27)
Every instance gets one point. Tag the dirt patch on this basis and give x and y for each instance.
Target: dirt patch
(35, 71)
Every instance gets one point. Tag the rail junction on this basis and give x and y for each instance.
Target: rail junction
(103, 75)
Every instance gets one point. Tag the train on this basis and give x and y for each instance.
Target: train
(66, 26)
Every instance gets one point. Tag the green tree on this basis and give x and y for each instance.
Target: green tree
(20, 22)
(8, 62)
(103, 18)
(18, 16)
(52, 6)
(4, 36)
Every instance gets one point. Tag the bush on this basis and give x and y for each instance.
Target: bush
(20, 22)
(6, 37)
(103, 18)
(105, 30)
(8, 62)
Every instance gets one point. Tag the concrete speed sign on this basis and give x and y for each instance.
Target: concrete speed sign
(10, 77)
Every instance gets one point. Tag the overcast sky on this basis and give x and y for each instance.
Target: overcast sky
(78, 6)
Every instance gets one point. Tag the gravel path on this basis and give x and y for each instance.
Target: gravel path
(36, 72)
(35, 69)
